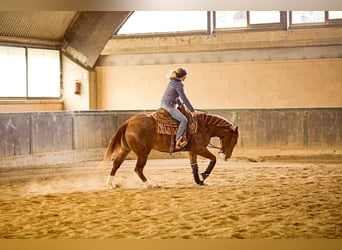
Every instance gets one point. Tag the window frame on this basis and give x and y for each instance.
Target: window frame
(27, 97)
(254, 27)
(333, 22)
(284, 24)
(327, 22)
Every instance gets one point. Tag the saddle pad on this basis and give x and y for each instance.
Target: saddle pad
(165, 123)
(165, 129)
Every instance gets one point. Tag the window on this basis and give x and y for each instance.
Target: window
(43, 73)
(144, 22)
(13, 72)
(230, 19)
(249, 19)
(259, 17)
(310, 18)
(300, 17)
(335, 14)
(29, 73)
(156, 22)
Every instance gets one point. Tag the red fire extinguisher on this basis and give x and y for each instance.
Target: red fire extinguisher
(77, 87)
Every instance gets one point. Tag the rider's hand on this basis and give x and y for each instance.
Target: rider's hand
(194, 114)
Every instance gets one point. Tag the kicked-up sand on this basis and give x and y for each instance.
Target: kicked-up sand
(242, 199)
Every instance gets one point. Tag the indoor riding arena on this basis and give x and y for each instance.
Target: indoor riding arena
(69, 79)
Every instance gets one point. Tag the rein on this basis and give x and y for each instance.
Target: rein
(203, 111)
(210, 145)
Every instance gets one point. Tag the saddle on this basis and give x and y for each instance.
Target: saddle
(167, 125)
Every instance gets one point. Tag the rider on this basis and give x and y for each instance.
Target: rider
(174, 91)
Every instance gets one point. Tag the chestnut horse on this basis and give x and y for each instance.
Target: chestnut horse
(138, 134)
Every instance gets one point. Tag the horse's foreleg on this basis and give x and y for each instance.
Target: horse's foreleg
(207, 172)
(194, 167)
(207, 154)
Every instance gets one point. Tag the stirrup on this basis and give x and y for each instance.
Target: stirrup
(181, 143)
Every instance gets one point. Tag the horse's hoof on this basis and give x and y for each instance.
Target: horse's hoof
(204, 176)
(153, 186)
(111, 187)
(201, 183)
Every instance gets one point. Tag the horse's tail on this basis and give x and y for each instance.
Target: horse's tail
(114, 144)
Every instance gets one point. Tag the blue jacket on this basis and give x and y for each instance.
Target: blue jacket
(174, 91)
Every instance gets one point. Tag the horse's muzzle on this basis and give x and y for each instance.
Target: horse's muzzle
(224, 156)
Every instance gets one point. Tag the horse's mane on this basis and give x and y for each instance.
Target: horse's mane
(215, 120)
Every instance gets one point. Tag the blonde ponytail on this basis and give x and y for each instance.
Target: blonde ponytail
(180, 72)
(172, 75)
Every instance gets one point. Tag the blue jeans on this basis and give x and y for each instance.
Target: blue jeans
(176, 114)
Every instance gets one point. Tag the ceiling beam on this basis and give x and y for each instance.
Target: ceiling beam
(89, 33)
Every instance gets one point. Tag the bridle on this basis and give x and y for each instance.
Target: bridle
(210, 145)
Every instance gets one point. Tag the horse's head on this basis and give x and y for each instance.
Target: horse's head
(228, 142)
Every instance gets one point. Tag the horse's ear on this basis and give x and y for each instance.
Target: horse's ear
(236, 130)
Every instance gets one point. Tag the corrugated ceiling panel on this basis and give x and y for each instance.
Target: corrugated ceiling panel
(47, 25)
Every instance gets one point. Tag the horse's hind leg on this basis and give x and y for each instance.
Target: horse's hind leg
(116, 165)
(139, 169)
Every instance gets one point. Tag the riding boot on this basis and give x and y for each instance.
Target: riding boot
(181, 143)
